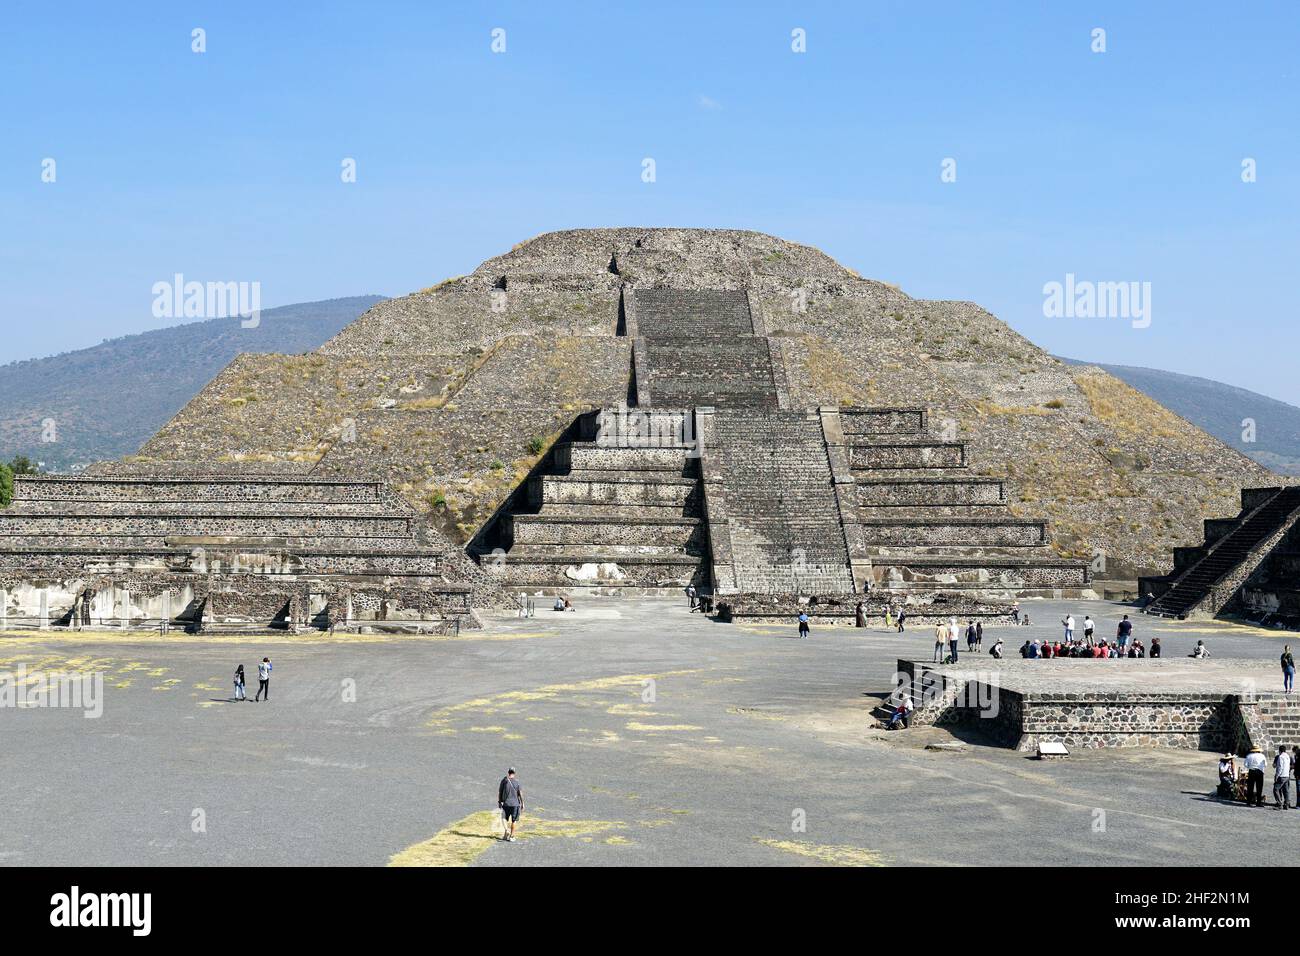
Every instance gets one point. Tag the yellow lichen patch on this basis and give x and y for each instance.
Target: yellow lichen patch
(829, 855)
(487, 705)
(617, 840)
(470, 837)
(656, 728)
(631, 710)
(757, 714)
(488, 730)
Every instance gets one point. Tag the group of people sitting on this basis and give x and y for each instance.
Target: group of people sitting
(1079, 648)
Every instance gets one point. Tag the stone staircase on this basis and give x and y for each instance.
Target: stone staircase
(243, 552)
(620, 507)
(927, 523)
(699, 347)
(1206, 578)
(771, 493)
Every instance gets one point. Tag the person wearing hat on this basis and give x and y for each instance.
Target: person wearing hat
(510, 798)
(1255, 764)
(1227, 776)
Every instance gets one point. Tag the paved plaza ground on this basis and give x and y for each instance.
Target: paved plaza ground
(744, 732)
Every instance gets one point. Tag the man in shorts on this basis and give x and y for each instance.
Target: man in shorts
(510, 798)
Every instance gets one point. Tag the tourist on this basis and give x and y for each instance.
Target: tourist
(1200, 651)
(1047, 650)
(559, 604)
(1024, 619)
(1123, 631)
(1100, 650)
(510, 798)
(1033, 649)
(568, 606)
(940, 635)
(523, 604)
(860, 615)
(1068, 621)
(1282, 779)
(889, 616)
(1255, 778)
(263, 680)
(1015, 612)
(954, 634)
(1155, 647)
(902, 617)
(979, 635)
(1227, 776)
(1024, 649)
(803, 625)
(970, 638)
(691, 593)
(1288, 678)
(240, 694)
(996, 652)
(902, 713)
(1088, 626)
(1295, 772)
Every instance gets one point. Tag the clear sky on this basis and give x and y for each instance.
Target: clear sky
(1117, 166)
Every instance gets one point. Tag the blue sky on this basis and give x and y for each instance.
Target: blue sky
(1115, 166)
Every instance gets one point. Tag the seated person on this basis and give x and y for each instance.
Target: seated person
(559, 604)
(1024, 649)
(996, 649)
(1227, 776)
(1046, 650)
(902, 713)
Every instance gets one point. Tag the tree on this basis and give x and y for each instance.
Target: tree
(22, 465)
(6, 485)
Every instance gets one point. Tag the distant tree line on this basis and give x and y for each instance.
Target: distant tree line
(21, 465)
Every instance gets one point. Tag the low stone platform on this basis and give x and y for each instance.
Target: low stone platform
(1169, 702)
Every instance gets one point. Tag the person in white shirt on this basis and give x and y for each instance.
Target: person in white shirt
(954, 634)
(1069, 627)
(1255, 764)
(1282, 779)
(1088, 628)
(263, 680)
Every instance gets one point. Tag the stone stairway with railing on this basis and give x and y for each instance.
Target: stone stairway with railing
(240, 552)
(1207, 577)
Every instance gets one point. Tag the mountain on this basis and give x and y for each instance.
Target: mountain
(105, 401)
(1224, 411)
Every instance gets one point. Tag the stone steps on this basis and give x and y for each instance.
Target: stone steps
(586, 458)
(209, 507)
(688, 313)
(907, 454)
(620, 490)
(974, 532)
(128, 525)
(201, 489)
(927, 492)
(991, 573)
(669, 532)
(883, 421)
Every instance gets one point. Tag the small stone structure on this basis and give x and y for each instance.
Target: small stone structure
(1088, 704)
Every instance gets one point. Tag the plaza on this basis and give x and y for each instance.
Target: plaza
(643, 735)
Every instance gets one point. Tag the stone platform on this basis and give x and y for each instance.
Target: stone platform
(1084, 703)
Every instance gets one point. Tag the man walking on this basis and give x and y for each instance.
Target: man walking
(1288, 680)
(803, 625)
(1255, 778)
(263, 680)
(1068, 621)
(1282, 779)
(510, 798)
(1088, 628)
(691, 595)
(954, 634)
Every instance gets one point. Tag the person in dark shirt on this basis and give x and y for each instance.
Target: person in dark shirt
(1155, 647)
(510, 798)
